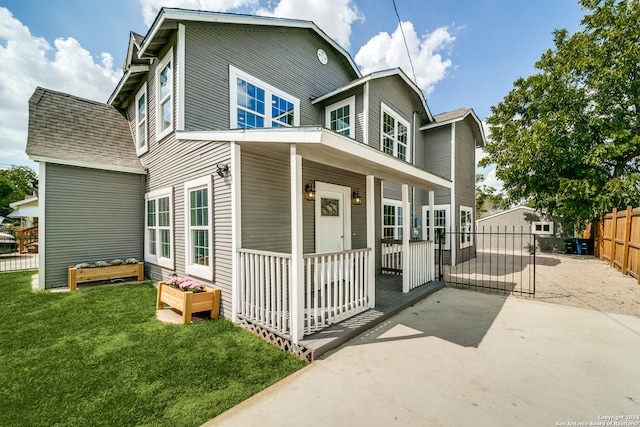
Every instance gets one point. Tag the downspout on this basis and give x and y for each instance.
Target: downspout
(413, 161)
(455, 238)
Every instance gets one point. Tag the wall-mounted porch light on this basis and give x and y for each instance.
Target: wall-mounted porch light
(357, 200)
(222, 170)
(310, 191)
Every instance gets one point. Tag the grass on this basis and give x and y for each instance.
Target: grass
(99, 357)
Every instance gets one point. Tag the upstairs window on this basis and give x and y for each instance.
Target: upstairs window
(340, 117)
(255, 104)
(164, 96)
(395, 134)
(141, 121)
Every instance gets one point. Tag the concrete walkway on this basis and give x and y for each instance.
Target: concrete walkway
(461, 358)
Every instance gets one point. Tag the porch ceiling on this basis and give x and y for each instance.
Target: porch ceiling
(326, 147)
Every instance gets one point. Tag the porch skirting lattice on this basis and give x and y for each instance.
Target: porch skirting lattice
(283, 343)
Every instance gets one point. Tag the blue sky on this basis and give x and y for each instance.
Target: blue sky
(466, 53)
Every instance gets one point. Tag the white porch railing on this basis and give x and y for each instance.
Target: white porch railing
(264, 289)
(420, 259)
(335, 288)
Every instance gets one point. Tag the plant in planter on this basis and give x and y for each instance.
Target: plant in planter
(188, 297)
(102, 270)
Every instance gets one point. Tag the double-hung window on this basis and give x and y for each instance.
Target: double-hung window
(141, 121)
(392, 219)
(199, 228)
(340, 117)
(466, 227)
(164, 96)
(158, 241)
(255, 104)
(395, 134)
(441, 218)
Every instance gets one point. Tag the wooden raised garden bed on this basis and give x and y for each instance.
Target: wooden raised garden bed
(188, 302)
(93, 274)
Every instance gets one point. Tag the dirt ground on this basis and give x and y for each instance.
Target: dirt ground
(587, 282)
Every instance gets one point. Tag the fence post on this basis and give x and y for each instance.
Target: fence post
(601, 236)
(614, 232)
(627, 238)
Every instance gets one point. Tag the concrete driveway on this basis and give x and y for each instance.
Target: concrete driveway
(461, 358)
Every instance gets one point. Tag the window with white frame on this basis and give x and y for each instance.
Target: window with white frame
(255, 104)
(391, 219)
(340, 117)
(466, 227)
(164, 96)
(542, 227)
(395, 134)
(141, 121)
(441, 224)
(158, 239)
(198, 228)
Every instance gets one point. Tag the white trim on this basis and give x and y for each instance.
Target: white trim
(396, 227)
(365, 114)
(82, 164)
(140, 150)
(505, 212)
(204, 272)
(469, 230)
(406, 233)
(447, 223)
(370, 202)
(157, 258)
(134, 69)
(234, 74)
(297, 246)
(384, 108)
(351, 103)
(42, 224)
(180, 76)
(453, 189)
(167, 60)
(236, 224)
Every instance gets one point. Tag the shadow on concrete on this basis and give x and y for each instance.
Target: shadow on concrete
(459, 317)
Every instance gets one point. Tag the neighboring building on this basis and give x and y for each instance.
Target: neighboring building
(230, 154)
(502, 228)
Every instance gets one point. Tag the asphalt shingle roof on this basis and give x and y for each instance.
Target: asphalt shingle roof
(71, 129)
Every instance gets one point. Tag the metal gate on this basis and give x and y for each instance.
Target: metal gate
(497, 260)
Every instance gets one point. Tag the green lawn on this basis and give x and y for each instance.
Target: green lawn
(99, 357)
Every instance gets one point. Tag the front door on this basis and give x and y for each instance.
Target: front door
(333, 218)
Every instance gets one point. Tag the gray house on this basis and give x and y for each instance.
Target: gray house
(268, 168)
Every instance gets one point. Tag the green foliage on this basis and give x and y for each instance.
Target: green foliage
(15, 184)
(99, 357)
(567, 139)
(487, 199)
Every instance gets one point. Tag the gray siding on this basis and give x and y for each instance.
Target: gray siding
(437, 159)
(90, 215)
(285, 58)
(465, 165)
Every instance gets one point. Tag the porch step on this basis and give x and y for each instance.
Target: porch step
(390, 303)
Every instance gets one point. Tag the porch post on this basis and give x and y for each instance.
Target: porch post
(236, 223)
(432, 221)
(406, 232)
(371, 240)
(297, 266)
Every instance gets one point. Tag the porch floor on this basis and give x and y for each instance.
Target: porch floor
(389, 300)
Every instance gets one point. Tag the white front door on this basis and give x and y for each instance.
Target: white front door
(333, 218)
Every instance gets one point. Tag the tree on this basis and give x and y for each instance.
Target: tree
(567, 139)
(487, 200)
(15, 184)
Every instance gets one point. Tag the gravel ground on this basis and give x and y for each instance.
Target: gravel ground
(587, 282)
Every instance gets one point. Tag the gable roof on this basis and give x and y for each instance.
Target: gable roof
(457, 116)
(508, 211)
(379, 75)
(69, 130)
(167, 22)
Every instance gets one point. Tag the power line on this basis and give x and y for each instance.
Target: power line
(404, 38)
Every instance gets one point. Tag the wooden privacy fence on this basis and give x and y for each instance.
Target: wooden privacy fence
(619, 240)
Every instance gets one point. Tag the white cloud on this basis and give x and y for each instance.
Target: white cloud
(29, 61)
(334, 17)
(386, 51)
(150, 8)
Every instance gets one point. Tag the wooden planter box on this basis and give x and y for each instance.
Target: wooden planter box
(188, 302)
(80, 275)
